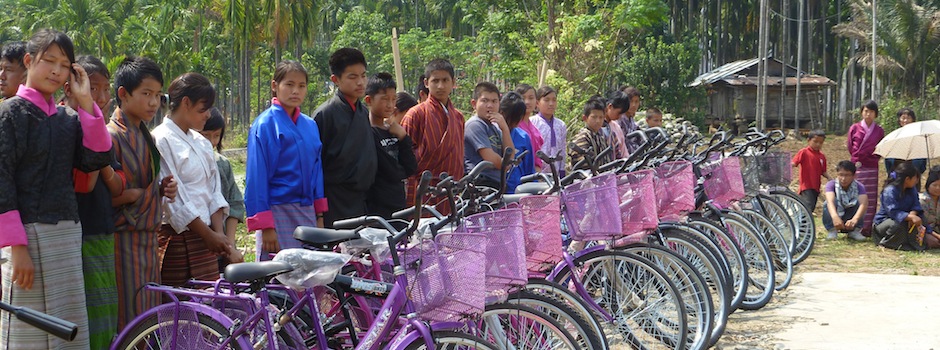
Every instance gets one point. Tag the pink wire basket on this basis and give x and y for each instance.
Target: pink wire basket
(592, 209)
(542, 222)
(723, 181)
(505, 248)
(637, 202)
(444, 276)
(675, 189)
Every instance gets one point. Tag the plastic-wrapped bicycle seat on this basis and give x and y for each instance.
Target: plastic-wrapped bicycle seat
(373, 240)
(311, 268)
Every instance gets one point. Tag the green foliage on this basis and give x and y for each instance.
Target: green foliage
(925, 108)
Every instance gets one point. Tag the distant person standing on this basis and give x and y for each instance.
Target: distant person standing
(863, 136)
(905, 117)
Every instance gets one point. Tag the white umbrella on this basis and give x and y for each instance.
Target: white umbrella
(913, 141)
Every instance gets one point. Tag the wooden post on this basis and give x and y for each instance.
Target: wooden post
(396, 54)
(543, 73)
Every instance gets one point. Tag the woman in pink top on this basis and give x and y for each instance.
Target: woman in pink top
(863, 136)
(528, 95)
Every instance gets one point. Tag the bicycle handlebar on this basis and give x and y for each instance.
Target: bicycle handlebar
(48, 323)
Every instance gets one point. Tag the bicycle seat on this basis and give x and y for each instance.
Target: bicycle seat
(532, 187)
(253, 271)
(323, 238)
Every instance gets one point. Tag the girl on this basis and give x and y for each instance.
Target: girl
(863, 136)
(513, 108)
(906, 116)
(284, 174)
(930, 201)
(39, 146)
(553, 130)
(528, 96)
(191, 236)
(899, 222)
(215, 132)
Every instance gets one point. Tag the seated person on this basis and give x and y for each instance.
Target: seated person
(899, 221)
(846, 202)
(930, 201)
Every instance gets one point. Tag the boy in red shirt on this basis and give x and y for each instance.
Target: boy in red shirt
(812, 164)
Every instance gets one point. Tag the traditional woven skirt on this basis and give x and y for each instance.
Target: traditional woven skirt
(868, 177)
(135, 256)
(101, 296)
(185, 256)
(58, 288)
(286, 219)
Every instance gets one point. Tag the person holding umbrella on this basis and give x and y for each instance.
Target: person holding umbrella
(863, 137)
(905, 117)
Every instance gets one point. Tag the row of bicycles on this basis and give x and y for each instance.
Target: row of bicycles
(654, 251)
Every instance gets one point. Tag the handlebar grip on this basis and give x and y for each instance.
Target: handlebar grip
(352, 222)
(476, 171)
(530, 178)
(51, 324)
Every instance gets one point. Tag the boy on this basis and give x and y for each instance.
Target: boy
(589, 138)
(812, 164)
(138, 212)
(437, 128)
(12, 70)
(846, 202)
(396, 159)
(348, 153)
(486, 134)
(654, 118)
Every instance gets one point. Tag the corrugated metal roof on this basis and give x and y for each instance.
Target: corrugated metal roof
(728, 74)
(723, 71)
(805, 80)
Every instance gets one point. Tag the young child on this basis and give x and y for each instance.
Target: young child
(617, 105)
(284, 175)
(528, 96)
(654, 117)
(12, 69)
(846, 201)
(138, 211)
(930, 202)
(349, 156)
(93, 193)
(861, 141)
(422, 90)
(192, 235)
(513, 108)
(396, 159)
(437, 128)
(590, 138)
(812, 164)
(42, 235)
(553, 130)
(486, 134)
(214, 131)
(899, 221)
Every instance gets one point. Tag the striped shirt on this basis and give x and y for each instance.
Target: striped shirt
(437, 130)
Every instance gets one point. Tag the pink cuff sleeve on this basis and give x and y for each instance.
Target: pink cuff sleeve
(13, 231)
(95, 134)
(321, 206)
(261, 221)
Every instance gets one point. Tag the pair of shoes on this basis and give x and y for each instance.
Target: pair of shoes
(833, 234)
(857, 235)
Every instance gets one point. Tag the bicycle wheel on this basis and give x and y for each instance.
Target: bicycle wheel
(647, 310)
(515, 326)
(733, 254)
(696, 295)
(783, 264)
(567, 317)
(805, 225)
(701, 252)
(194, 330)
(575, 302)
(778, 216)
(760, 271)
(448, 340)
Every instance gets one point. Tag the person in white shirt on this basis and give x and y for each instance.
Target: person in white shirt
(192, 235)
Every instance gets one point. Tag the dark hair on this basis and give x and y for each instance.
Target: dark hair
(932, 176)
(45, 38)
(288, 66)
(485, 86)
(216, 122)
(630, 91)
(404, 101)
(345, 57)
(512, 107)
(846, 165)
(653, 111)
(521, 89)
(872, 106)
(378, 82)
(195, 86)
(545, 91)
(439, 64)
(902, 170)
(909, 112)
(132, 72)
(421, 86)
(14, 51)
(619, 100)
(816, 133)
(93, 65)
(595, 103)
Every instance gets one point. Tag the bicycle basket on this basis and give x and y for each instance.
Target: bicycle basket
(637, 202)
(775, 168)
(675, 189)
(505, 247)
(750, 168)
(542, 222)
(592, 209)
(723, 182)
(444, 276)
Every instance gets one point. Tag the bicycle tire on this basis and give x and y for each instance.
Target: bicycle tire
(778, 216)
(760, 272)
(701, 251)
(637, 319)
(728, 246)
(139, 337)
(783, 263)
(541, 332)
(573, 300)
(581, 329)
(449, 340)
(803, 217)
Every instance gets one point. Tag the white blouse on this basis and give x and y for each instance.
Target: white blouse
(190, 159)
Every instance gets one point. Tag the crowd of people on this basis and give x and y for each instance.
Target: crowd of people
(907, 217)
(94, 208)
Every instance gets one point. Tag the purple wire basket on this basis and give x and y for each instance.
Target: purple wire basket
(542, 222)
(675, 189)
(505, 247)
(592, 209)
(444, 276)
(723, 181)
(637, 202)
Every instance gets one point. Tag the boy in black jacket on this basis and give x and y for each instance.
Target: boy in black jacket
(396, 159)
